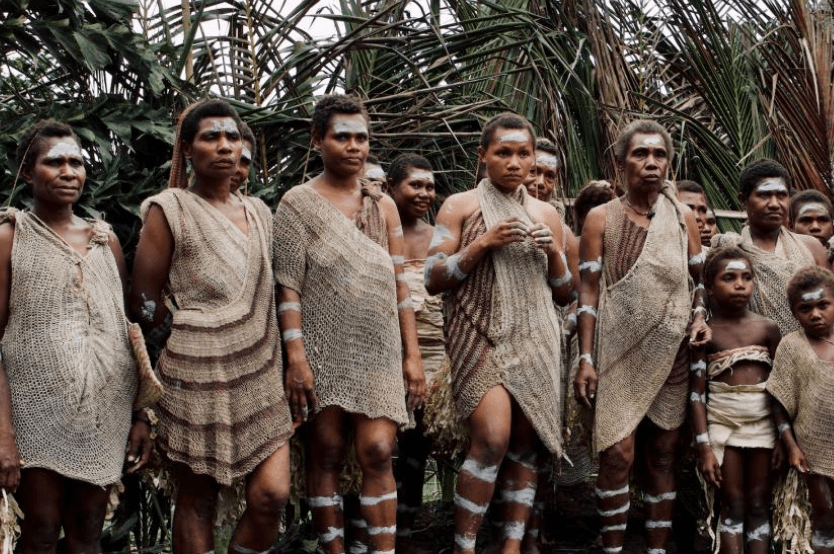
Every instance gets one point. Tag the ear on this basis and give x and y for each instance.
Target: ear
(743, 201)
(316, 139)
(481, 153)
(187, 150)
(26, 173)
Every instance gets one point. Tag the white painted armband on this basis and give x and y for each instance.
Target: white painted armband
(453, 270)
(586, 309)
(695, 397)
(587, 358)
(783, 428)
(697, 259)
(698, 367)
(289, 307)
(406, 304)
(591, 265)
(398, 260)
(557, 282)
(291, 334)
(702, 438)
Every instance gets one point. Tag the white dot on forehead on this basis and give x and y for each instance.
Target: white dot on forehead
(548, 160)
(514, 136)
(349, 126)
(64, 148)
(812, 207)
(421, 175)
(813, 294)
(772, 184)
(736, 265)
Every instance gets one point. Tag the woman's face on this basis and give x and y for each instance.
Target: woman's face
(509, 157)
(345, 144)
(216, 148)
(57, 174)
(646, 161)
(415, 193)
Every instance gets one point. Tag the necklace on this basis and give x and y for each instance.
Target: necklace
(638, 212)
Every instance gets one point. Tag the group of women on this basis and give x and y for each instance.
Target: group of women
(328, 314)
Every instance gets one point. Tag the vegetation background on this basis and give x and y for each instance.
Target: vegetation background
(733, 80)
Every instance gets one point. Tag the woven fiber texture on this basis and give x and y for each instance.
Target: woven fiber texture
(345, 276)
(739, 415)
(223, 410)
(517, 334)
(720, 362)
(804, 385)
(70, 367)
(643, 318)
(773, 271)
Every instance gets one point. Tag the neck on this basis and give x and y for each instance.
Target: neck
(642, 197)
(53, 216)
(764, 238)
(409, 222)
(726, 312)
(212, 189)
(336, 181)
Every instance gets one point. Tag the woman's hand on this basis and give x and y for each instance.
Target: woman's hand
(9, 463)
(300, 393)
(585, 384)
(139, 445)
(710, 468)
(415, 383)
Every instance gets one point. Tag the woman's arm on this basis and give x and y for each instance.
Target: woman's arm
(590, 271)
(150, 270)
(9, 455)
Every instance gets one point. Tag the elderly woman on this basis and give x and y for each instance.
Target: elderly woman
(640, 259)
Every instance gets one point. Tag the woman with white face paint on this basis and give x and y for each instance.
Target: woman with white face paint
(205, 254)
(640, 262)
(730, 410)
(67, 374)
(776, 252)
(348, 326)
(498, 254)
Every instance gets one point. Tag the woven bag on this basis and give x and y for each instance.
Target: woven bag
(150, 388)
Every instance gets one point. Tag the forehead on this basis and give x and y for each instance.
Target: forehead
(56, 147)
(771, 185)
(646, 140)
(347, 123)
(547, 160)
(688, 197)
(731, 264)
(812, 209)
(502, 136)
(217, 123)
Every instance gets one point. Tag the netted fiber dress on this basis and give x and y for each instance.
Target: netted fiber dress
(344, 274)
(223, 410)
(502, 327)
(70, 367)
(644, 310)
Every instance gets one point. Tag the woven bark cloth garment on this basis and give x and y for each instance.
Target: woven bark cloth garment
(70, 367)
(502, 327)
(726, 359)
(223, 410)
(773, 271)
(804, 385)
(739, 415)
(428, 310)
(643, 317)
(345, 276)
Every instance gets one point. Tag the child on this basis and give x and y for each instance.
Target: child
(803, 383)
(733, 427)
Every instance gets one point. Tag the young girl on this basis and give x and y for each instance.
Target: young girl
(803, 383)
(732, 422)
(67, 374)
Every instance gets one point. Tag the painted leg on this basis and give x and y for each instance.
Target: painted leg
(731, 522)
(661, 486)
(375, 441)
(410, 472)
(489, 429)
(758, 487)
(612, 493)
(821, 495)
(324, 463)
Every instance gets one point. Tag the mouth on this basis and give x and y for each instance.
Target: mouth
(223, 162)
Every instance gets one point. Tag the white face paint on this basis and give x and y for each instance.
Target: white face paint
(227, 125)
(375, 173)
(514, 136)
(547, 160)
(349, 126)
(652, 140)
(772, 184)
(245, 153)
(421, 175)
(736, 264)
(812, 207)
(810, 296)
(63, 148)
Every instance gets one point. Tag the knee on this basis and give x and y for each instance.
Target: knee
(40, 532)
(617, 459)
(758, 508)
(327, 452)
(489, 449)
(375, 454)
(268, 499)
(734, 508)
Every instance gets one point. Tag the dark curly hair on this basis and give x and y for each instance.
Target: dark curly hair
(331, 105)
(214, 107)
(718, 255)
(645, 127)
(807, 278)
(690, 186)
(34, 137)
(398, 169)
(758, 170)
(594, 194)
(507, 120)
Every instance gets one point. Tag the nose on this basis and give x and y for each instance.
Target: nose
(514, 161)
(224, 144)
